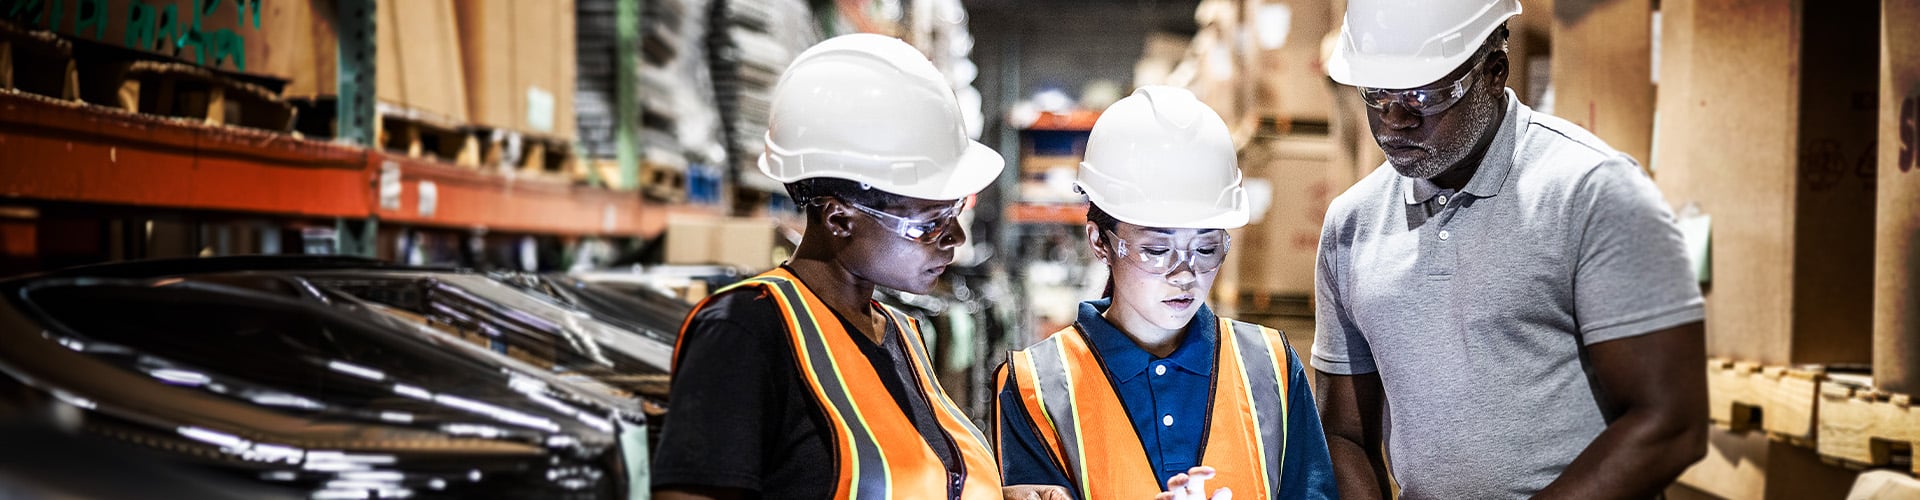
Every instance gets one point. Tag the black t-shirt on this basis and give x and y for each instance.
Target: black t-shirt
(741, 416)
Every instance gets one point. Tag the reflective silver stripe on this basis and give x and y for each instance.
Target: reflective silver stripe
(1269, 408)
(940, 399)
(1056, 397)
(870, 478)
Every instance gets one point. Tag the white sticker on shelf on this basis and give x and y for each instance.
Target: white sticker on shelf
(609, 217)
(539, 109)
(429, 198)
(389, 186)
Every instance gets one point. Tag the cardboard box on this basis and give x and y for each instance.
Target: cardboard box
(1288, 73)
(744, 242)
(417, 65)
(1602, 70)
(520, 64)
(1896, 325)
(232, 36)
(422, 73)
(1742, 466)
(1766, 130)
(1277, 252)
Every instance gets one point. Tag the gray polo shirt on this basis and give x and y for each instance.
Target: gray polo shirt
(1472, 305)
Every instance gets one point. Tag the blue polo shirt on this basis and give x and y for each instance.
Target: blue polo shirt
(1166, 398)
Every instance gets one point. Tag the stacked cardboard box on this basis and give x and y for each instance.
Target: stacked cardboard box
(1287, 69)
(519, 64)
(1896, 355)
(1602, 72)
(1277, 249)
(1766, 113)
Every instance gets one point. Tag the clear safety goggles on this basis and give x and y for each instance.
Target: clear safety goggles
(1204, 256)
(1426, 101)
(923, 231)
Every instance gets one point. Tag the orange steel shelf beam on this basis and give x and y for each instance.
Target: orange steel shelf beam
(68, 152)
(1047, 213)
(469, 198)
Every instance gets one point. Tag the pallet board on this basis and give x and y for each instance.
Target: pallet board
(26, 56)
(1864, 427)
(1781, 401)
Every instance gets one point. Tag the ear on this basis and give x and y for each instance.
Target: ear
(1093, 241)
(1497, 70)
(837, 217)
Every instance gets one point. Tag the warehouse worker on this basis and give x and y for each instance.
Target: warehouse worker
(1148, 383)
(1513, 286)
(796, 383)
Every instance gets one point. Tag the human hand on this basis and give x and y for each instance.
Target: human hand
(1034, 492)
(1192, 486)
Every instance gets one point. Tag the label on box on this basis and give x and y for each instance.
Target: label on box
(539, 109)
(1698, 232)
(429, 198)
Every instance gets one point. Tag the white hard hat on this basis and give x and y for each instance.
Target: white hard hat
(1161, 158)
(870, 108)
(1403, 44)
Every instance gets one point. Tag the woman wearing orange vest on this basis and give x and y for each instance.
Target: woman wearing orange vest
(1148, 383)
(796, 383)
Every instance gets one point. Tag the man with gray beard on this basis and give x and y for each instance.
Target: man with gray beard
(1513, 286)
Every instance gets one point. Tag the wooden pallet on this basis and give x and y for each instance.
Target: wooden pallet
(182, 91)
(37, 62)
(1860, 426)
(421, 134)
(663, 183)
(1777, 400)
(529, 155)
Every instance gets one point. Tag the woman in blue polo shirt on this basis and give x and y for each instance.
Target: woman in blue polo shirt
(1148, 383)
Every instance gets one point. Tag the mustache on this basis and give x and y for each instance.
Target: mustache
(1394, 142)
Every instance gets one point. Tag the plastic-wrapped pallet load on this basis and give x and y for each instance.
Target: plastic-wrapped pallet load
(748, 52)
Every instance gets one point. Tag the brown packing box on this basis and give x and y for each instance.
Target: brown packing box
(229, 35)
(1602, 70)
(1896, 326)
(417, 66)
(1767, 129)
(520, 64)
(1289, 80)
(1278, 251)
(744, 242)
(1749, 466)
(423, 71)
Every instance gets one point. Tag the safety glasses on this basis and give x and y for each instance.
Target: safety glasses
(923, 231)
(1425, 101)
(1204, 256)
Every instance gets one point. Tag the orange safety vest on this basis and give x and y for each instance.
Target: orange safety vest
(1068, 396)
(880, 453)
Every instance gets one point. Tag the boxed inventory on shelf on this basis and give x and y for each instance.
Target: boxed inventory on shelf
(743, 242)
(1602, 70)
(1289, 79)
(1791, 200)
(1792, 206)
(1896, 348)
(1304, 180)
(517, 65)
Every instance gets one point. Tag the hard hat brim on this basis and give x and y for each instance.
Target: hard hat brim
(1176, 215)
(1349, 67)
(978, 167)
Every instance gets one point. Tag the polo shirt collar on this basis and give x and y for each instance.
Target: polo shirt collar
(1494, 167)
(1126, 360)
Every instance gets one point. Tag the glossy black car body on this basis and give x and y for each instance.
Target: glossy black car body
(332, 378)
